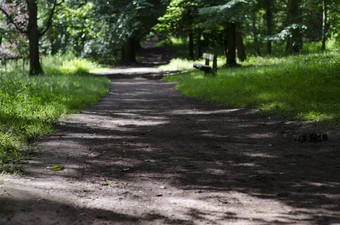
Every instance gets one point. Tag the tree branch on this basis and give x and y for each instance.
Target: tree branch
(10, 19)
(50, 18)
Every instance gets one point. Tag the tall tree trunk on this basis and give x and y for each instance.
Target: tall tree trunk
(199, 44)
(269, 20)
(225, 41)
(241, 52)
(256, 41)
(33, 37)
(231, 52)
(191, 44)
(129, 51)
(324, 25)
(294, 43)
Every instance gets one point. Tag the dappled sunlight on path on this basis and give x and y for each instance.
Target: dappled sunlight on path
(146, 154)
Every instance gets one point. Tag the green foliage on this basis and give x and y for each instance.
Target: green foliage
(232, 11)
(75, 25)
(67, 64)
(178, 46)
(29, 106)
(117, 21)
(179, 17)
(305, 87)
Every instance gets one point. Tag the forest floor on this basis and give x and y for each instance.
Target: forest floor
(148, 155)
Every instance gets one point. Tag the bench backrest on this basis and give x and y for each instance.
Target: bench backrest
(208, 56)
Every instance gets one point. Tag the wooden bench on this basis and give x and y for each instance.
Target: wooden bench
(206, 67)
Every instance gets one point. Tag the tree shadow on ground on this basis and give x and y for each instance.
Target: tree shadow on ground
(228, 159)
(55, 212)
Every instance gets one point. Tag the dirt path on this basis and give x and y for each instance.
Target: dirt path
(147, 155)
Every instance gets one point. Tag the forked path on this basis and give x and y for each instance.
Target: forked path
(148, 155)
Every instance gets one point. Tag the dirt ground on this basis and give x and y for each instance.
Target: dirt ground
(148, 155)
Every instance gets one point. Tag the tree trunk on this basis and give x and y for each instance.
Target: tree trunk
(199, 44)
(269, 20)
(33, 37)
(324, 25)
(294, 43)
(256, 41)
(231, 54)
(129, 51)
(241, 52)
(191, 44)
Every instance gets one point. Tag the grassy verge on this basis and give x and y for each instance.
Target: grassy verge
(30, 106)
(186, 64)
(177, 46)
(304, 87)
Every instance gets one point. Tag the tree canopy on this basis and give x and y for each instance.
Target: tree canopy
(101, 29)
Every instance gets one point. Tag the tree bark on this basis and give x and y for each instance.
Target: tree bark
(231, 51)
(129, 51)
(241, 52)
(294, 43)
(199, 44)
(33, 37)
(269, 20)
(254, 29)
(191, 44)
(324, 25)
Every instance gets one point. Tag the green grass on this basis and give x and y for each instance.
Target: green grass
(186, 64)
(30, 106)
(304, 87)
(67, 64)
(178, 46)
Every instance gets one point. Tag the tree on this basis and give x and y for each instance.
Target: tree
(231, 47)
(269, 22)
(180, 18)
(324, 24)
(75, 26)
(294, 43)
(333, 19)
(254, 9)
(122, 24)
(229, 15)
(24, 16)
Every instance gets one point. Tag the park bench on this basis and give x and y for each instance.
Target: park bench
(206, 67)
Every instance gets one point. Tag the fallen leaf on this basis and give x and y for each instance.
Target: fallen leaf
(126, 170)
(57, 168)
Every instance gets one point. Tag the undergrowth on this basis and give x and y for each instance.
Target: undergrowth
(302, 87)
(31, 105)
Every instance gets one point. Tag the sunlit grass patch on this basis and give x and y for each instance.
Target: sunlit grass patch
(305, 87)
(177, 46)
(67, 64)
(30, 106)
(179, 64)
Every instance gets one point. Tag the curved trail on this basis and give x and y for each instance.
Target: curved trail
(148, 155)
